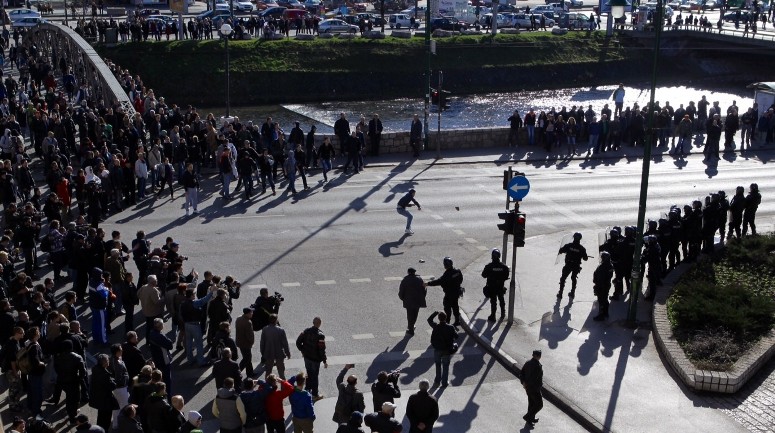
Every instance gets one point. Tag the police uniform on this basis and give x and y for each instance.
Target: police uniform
(496, 274)
(574, 254)
(601, 280)
(450, 281)
(623, 266)
(652, 256)
(736, 208)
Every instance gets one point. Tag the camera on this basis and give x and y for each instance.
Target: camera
(394, 375)
(278, 297)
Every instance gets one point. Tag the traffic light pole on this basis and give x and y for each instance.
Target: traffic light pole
(505, 249)
(513, 282)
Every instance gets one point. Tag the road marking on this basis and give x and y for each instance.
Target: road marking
(329, 339)
(291, 284)
(325, 282)
(576, 218)
(360, 280)
(448, 225)
(377, 210)
(437, 217)
(471, 240)
(397, 333)
(482, 248)
(427, 277)
(257, 286)
(256, 216)
(459, 232)
(362, 336)
(394, 278)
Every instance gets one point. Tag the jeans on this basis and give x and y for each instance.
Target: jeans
(313, 371)
(291, 174)
(441, 358)
(408, 215)
(226, 182)
(192, 198)
(35, 393)
(141, 181)
(326, 163)
(194, 337)
(267, 177)
(531, 134)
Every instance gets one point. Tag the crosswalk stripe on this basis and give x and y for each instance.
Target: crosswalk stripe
(291, 284)
(325, 282)
(362, 336)
(471, 240)
(360, 280)
(394, 278)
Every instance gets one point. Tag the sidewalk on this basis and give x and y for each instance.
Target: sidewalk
(610, 378)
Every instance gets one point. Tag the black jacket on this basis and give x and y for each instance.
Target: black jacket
(443, 335)
(226, 368)
(422, 408)
(70, 368)
(101, 389)
(450, 282)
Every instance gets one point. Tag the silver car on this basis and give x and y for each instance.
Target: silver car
(336, 26)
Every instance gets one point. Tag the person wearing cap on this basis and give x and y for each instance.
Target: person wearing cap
(82, 425)
(406, 201)
(384, 421)
(245, 338)
(450, 282)
(412, 293)
(496, 274)
(193, 423)
(422, 409)
(312, 345)
(532, 376)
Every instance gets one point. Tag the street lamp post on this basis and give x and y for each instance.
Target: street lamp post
(637, 278)
(617, 11)
(226, 31)
(429, 50)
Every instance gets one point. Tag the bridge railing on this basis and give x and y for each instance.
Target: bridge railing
(55, 41)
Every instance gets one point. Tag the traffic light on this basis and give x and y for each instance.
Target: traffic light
(508, 222)
(519, 229)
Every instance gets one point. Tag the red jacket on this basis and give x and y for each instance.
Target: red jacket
(274, 401)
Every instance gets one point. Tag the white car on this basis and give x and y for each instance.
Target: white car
(28, 22)
(410, 11)
(402, 21)
(336, 26)
(502, 20)
(242, 6)
(18, 14)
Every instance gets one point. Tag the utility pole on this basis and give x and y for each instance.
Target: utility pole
(441, 106)
(494, 20)
(513, 224)
(427, 72)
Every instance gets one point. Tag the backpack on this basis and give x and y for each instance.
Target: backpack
(217, 350)
(23, 363)
(45, 244)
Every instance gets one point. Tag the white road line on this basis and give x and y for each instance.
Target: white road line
(471, 240)
(576, 218)
(459, 232)
(325, 282)
(360, 280)
(394, 278)
(448, 225)
(482, 248)
(291, 284)
(378, 210)
(362, 336)
(437, 217)
(255, 216)
(329, 339)
(397, 333)
(257, 286)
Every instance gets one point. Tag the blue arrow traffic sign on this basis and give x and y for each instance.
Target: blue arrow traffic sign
(518, 187)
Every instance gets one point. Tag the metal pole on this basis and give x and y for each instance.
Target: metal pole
(382, 16)
(637, 278)
(504, 250)
(228, 84)
(494, 20)
(427, 72)
(513, 283)
(441, 105)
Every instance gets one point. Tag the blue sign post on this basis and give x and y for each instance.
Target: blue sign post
(518, 187)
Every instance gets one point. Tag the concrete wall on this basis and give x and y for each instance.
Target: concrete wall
(398, 142)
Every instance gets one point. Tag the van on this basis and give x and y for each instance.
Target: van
(292, 14)
(401, 21)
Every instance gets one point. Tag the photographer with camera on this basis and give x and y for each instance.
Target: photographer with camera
(265, 306)
(385, 389)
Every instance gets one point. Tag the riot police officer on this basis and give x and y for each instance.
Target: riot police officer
(752, 202)
(736, 209)
(695, 229)
(574, 254)
(652, 256)
(665, 239)
(601, 281)
(709, 223)
(496, 274)
(723, 209)
(623, 266)
(451, 281)
(674, 219)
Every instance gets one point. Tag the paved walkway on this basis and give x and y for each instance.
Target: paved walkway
(610, 377)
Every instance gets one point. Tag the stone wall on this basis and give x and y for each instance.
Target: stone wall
(398, 142)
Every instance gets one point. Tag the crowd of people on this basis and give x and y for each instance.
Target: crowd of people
(562, 131)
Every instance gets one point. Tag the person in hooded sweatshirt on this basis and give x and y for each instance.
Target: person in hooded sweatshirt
(228, 408)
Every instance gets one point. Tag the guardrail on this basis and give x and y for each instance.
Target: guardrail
(55, 40)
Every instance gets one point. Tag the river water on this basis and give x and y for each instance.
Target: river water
(478, 111)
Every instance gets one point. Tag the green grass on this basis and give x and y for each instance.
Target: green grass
(720, 309)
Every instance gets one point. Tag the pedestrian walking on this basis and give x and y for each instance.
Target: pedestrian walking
(326, 154)
(302, 405)
(451, 283)
(191, 186)
(752, 202)
(412, 292)
(274, 347)
(312, 345)
(443, 340)
(601, 280)
(532, 376)
(574, 254)
(101, 391)
(350, 398)
(422, 410)
(245, 339)
(496, 274)
(415, 135)
(407, 201)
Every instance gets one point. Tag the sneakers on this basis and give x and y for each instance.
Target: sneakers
(408, 232)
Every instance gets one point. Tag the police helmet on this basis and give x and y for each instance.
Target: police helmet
(629, 230)
(650, 239)
(447, 262)
(722, 194)
(577, 236)
(697, 204)
(652, 224)
(605, 256)
(496, 253)
(674, 214)
(754, 187)
(614, 233)
(740, 190)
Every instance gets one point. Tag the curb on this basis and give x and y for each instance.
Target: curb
(549, 392)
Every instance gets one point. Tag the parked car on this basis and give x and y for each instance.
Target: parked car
(312, 5)
(290, 4)
(164, 18)
(448, 23)
(410, 11)
(18, 14)
(570, 3)
(336, 26)
(275, 12)
(28, 22)
(401, 21)
(214, 15)
(242, 6)
(519, 21)
(676, 4)
(502, 20)
(548, 19)
(263, 4)
(147, 12)
(732, 16)
(574, 21)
